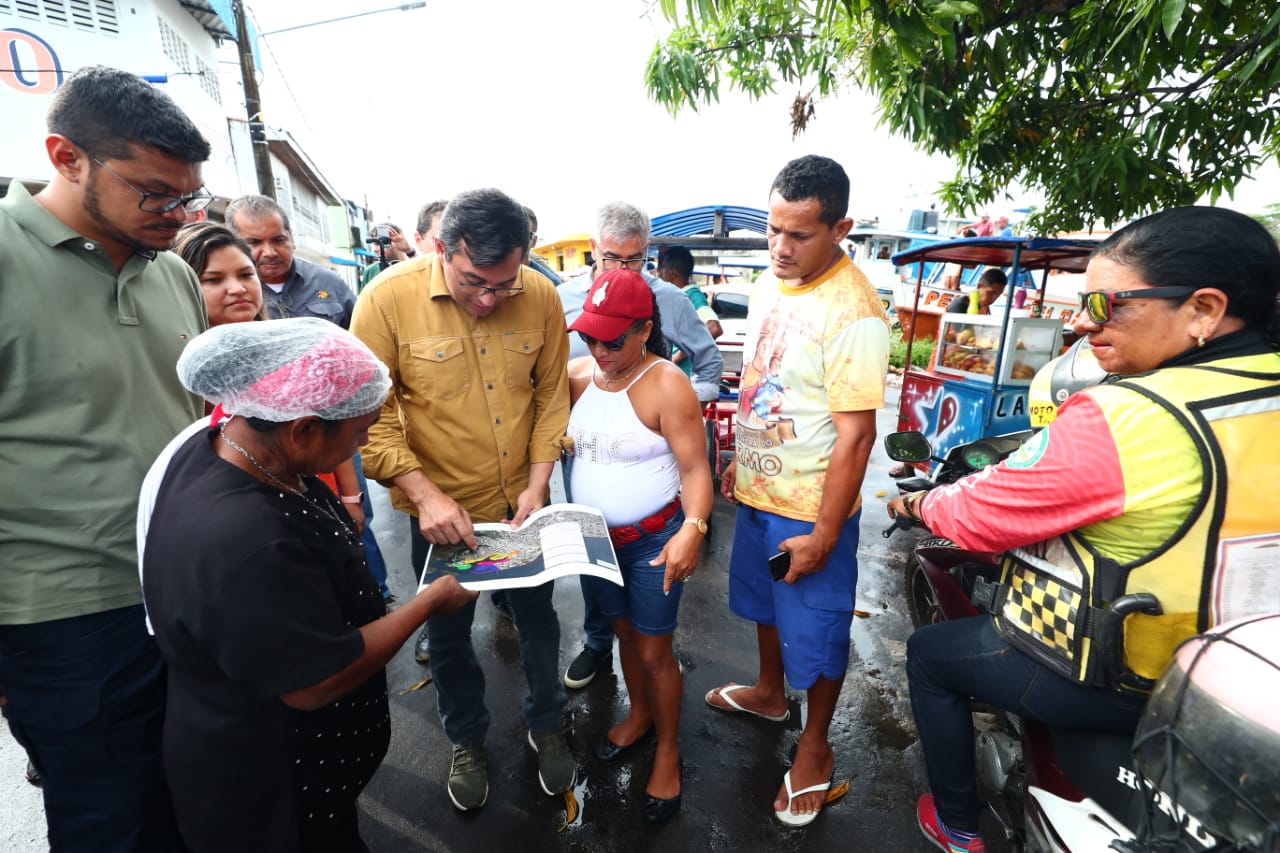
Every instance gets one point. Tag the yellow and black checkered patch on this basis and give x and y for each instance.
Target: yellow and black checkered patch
(1038, 605)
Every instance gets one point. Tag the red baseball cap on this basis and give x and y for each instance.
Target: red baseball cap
(616, 300)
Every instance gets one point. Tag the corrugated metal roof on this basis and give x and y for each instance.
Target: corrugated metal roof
(215, 17)
(1034, 253)
(716, 220)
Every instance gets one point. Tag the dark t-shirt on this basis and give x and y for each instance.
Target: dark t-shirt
(253, 593)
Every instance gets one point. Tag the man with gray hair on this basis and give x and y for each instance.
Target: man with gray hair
(477, 347)
(94, 312)
(291, 286)
(428, 224)
(621, 239)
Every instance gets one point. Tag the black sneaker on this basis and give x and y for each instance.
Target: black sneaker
(557, 770)
(585, 666)
(33, 773)
(469, 777)
(421, 649)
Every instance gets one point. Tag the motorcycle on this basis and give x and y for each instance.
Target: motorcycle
(929, 602)
(961, 461)
(1049, 788)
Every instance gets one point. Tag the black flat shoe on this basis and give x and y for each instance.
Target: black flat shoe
(655, 810)
(608, 751)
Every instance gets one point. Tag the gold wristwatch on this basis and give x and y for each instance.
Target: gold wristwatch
(699, 523)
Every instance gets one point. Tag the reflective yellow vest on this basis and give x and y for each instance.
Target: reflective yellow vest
(1055, 597)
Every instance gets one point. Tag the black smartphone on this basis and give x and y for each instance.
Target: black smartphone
(780, 564)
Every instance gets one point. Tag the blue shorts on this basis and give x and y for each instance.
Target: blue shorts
(812, 615)
(641, 600)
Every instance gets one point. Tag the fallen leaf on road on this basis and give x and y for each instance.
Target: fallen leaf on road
(571, 809)
(861, 614)
(421, 684)
(837, 792)
(881, 493)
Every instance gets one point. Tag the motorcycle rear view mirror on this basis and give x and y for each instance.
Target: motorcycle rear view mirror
(907, 447)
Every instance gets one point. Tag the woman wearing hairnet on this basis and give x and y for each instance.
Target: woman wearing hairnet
(274, 632)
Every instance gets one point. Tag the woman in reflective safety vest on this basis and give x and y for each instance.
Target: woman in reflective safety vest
(1154, 483)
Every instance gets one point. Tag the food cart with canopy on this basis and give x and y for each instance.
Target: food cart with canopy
(977, 381)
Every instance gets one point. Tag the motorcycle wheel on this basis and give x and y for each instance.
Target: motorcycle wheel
(922, 603)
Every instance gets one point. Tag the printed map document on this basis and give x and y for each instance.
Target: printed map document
(558, 540)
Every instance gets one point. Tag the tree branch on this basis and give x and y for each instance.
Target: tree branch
(739, 45)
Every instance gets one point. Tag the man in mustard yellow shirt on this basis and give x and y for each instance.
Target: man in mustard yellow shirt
(477, 349)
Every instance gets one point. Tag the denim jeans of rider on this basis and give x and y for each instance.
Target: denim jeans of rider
(951, 662)
(456, 671)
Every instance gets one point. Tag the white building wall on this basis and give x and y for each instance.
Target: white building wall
(51, 39)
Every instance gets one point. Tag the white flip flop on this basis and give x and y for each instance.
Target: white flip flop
(785, 816)
(724, 693)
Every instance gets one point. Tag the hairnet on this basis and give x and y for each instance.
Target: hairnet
(282, 370)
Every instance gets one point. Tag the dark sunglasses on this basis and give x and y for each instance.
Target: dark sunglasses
(1100, 304)
(613, 345)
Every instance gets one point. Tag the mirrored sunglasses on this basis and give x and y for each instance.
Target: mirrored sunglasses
(1100, 304)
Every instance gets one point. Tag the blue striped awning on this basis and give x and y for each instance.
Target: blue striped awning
(716, 220)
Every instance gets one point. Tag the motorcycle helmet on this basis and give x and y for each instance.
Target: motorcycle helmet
(1068, 373)
(1208, 746)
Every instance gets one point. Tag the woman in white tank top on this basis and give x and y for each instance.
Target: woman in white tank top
(640, 457)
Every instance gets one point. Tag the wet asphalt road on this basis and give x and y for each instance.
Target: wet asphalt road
(733, 764)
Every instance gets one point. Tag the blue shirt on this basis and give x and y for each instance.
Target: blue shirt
(538, 264)
(681, 326)
(311, 291)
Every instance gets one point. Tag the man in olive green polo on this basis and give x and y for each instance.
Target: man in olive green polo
(94, 312)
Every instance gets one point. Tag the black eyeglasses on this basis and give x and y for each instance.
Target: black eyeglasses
(634, 264)
(484, 289)
(162, 202)
(613, 345)
(1099, 305)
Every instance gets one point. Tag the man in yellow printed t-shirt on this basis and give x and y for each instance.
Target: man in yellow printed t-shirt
(818, 342)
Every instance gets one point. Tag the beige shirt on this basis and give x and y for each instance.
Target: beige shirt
(474, 400)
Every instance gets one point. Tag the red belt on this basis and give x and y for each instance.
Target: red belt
(632, 532)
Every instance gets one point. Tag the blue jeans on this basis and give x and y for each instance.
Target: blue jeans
(372, 553)
(641, 601)
(596, 625)
(951, 662)
(86, 700)
(456, 671)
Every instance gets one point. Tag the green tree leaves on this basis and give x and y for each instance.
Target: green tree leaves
(1113, 108)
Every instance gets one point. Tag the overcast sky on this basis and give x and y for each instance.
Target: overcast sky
(547, 101)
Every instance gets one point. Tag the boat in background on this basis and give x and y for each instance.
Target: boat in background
(872, 249)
